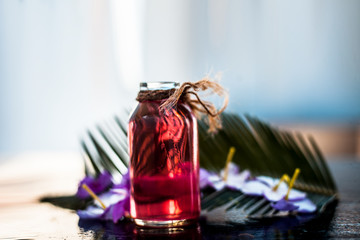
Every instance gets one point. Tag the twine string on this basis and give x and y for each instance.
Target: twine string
(198, 106)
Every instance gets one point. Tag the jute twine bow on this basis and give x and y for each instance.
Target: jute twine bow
(197, 105)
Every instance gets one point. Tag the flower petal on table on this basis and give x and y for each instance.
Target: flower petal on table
(232, 169)
(280, 193)
(274, 196)
(125, 182)
(219, 185)
(117, 211)
(272, 182)
(204, 177)
(267, 180)
(295, 195)
(237, 181)
(305, 206)
(216, 182)
(118, 206)
(113, 196)
(97, 185)
(91, 212)
(254, 188)
(284, 205)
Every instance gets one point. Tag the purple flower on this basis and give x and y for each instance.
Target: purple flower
(125, 182)
(254, 188)
(204, 177)
(276, 193)
(232, 169)
(235, 178)
(305, 206)
(117, 200)
(301, 206)
(264, 186)
(279, 194)
(91, 212)
(284, 205)
(236, 181)
(117, 211)
(97, 185)
(118, 207)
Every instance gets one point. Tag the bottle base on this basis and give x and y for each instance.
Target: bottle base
(165, 223)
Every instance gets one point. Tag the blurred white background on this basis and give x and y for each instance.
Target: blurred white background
(65, 64)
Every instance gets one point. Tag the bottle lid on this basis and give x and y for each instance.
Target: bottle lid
(150, 86)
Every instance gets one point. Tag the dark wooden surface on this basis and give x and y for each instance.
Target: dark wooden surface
(23, 217)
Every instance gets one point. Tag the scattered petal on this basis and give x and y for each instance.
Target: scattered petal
(236, 181)
(91, 212)
(117, 199)
(97, 185)
(280, 193)
(284, 205)
(296, 195)
(117, 211)
(204, 177)
(232, 169)
(216, 182)
(254, 188)
(219, 185)
(268, 180)
(305, 206)
(113, 196)
(271, 182)
(274, 196)
(118, 205)
(125, 182)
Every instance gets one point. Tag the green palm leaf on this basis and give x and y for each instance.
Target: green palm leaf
(266, 150)
(261, 148)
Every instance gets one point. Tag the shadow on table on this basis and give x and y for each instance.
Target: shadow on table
(293, 227)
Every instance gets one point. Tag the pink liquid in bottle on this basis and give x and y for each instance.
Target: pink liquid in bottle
(164, 165)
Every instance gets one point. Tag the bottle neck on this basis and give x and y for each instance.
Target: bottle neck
(153, 86)
(153, 91)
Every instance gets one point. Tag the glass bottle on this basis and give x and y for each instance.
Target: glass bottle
(164, 162)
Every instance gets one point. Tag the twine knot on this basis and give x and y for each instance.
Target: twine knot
(198, 106)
